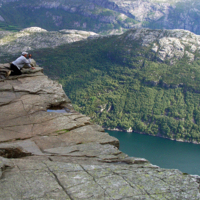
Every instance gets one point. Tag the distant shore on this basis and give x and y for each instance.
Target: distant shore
(177, 140)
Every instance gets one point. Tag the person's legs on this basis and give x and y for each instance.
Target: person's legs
(15, 70)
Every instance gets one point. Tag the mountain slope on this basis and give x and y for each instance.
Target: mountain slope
(62, 14)
(100, 16)
(144, 80)
(169, 14)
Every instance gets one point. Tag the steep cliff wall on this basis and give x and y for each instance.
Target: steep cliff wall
(48, 155)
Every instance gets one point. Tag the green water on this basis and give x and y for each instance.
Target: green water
(162, 152)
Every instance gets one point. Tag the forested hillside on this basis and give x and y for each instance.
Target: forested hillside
(144, 80)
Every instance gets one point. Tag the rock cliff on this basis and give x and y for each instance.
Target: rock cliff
(50, 155)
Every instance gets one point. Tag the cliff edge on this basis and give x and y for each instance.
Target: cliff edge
(50, 155)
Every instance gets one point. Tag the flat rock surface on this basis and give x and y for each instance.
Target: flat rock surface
(50, 155)
(58, 180)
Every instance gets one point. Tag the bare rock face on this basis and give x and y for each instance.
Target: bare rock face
(168, 45)
(36, 38)
(50, 155)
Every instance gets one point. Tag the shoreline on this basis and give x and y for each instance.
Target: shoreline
(179, 140)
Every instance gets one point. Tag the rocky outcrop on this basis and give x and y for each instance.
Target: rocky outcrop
(51, 155)
(37, 38)
(168, 45)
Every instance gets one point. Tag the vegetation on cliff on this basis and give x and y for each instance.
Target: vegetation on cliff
(144, 79)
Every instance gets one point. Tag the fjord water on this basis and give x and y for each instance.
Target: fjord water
(162, 152)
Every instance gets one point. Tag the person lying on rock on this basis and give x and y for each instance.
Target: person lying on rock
(19, 63)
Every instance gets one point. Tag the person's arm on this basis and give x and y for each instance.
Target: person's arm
(28, 62)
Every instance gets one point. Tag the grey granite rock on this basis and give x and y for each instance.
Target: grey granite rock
(169, 45)
(47, 155)
(58, 180)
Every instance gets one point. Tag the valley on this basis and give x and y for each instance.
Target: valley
(144, 80)
(130, 67)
